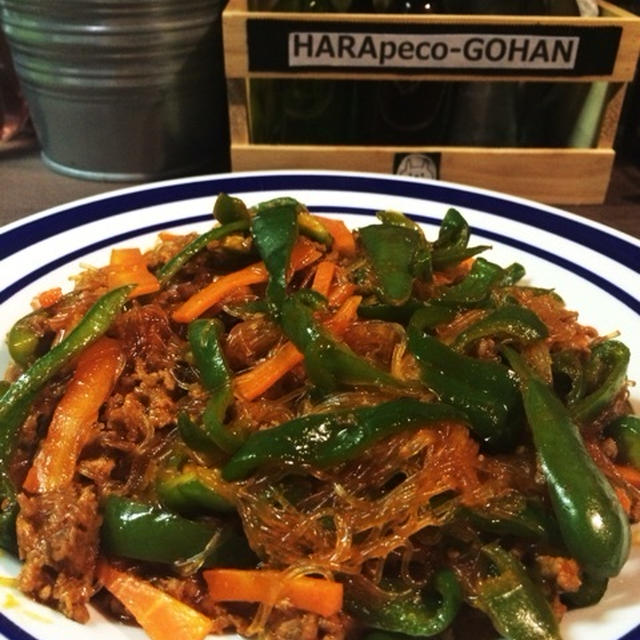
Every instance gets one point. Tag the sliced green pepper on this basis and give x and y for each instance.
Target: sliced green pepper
(329, 363)
(275, 229)
(193, 490)
(417, 613)
(422, 266)
(313, 228)
(513, 516)
(398, 219)
(140, 531)
(516, 607)
(453, 238)
(391, 251)
(326, 439)
(23, 341)
(569, 364)
(485, 390)
(228, 209)
(172, 266)
(593, 525)
(607, 371)
(626, 432)
(474, 290)
(407, 311)
(204, 338)
(511, 275)
(510, 323)
(589, 593)
(16, 400)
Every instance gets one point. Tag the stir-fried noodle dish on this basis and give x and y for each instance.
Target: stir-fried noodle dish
(287, 429)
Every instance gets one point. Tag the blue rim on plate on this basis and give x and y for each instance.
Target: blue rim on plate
(16, 237)
(588, 235)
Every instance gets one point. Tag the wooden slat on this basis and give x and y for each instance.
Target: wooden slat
(235, 17)
(557, 176)
(238, 110)
(611, 116)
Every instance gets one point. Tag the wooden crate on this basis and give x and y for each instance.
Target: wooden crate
(605, 49)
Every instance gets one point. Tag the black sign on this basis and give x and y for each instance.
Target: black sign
(456, 49)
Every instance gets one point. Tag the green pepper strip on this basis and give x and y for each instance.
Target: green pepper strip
(313, 228)
(391, 251)
(204, 338)
(483, 389)
(453, 238)
(626, 432)
(528, 520)
(16, 400)
(326, 439)
(193, 490)
(516, 607)
(390, 312)
(275, 231)
(228, 209)
(610, 359)
(172, 266)
(422, 266)
(593, 525)
(511, 323)
(433, 314)
(511, 275)
(329, 363)
(416, 613)
(569, 363)
(476, 287)
(23, 341)
(144, 532)
(589, 593)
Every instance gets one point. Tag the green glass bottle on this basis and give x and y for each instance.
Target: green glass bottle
(403, 112)
(300, 110)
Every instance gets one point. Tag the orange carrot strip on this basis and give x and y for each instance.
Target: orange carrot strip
(344, 316)
(630, 474)
(303, 254)
(49, 297)
(97, 369)
(343, 240)
(128, 266)
(340, 293)
(317, 595)
(323, 277)
(265, 374)
(161, 616)
(219, 289)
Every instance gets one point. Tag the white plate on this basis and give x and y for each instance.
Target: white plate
(593, 267)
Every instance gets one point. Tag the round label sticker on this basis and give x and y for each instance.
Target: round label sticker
(417, 165)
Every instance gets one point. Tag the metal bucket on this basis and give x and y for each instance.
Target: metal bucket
(123, 89)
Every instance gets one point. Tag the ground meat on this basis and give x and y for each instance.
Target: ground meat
(283, 623)
(226, 617)
(287, 623)
(564, 571)
(142, 403)
(58, 541)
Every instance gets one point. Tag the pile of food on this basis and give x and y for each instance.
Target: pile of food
(287, 429)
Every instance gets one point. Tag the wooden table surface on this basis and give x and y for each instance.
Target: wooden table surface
(27, 186)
